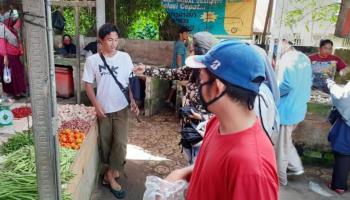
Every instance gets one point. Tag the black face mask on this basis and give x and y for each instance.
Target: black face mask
(203, 102)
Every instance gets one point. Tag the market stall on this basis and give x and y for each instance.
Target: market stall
(77, 130)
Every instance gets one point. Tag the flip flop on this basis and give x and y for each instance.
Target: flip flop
(119, 194)
(339, 191)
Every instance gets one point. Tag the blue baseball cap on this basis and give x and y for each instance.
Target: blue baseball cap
(233, 61)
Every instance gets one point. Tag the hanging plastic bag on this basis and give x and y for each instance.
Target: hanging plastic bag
(58, 21)
(159, 189)
(7, 75)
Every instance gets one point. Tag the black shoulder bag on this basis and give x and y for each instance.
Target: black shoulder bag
(124, 90)
(189, 133)
(333, 116)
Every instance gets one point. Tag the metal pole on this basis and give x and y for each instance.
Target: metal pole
(53, 95)
(77, 35)
(42, 89)
(275, 27)
(100, 13)
(267, 21)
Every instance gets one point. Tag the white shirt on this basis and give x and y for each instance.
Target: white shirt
(269, 112)
(109, 94)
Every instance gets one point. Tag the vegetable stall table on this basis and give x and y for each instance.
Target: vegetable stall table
(74, 120)
(79, 157)
(85, 167)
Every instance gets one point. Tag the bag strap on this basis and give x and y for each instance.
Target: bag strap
(110, 71)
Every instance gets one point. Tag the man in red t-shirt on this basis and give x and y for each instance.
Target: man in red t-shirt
(236, 159)
(324, 63)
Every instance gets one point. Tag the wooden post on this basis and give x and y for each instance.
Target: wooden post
(115, 11)
(343, 23)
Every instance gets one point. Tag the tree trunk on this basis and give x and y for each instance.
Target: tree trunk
(111, 11)
(343, 24)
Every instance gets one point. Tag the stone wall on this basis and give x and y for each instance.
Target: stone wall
(156, 91)
(312, 133)
(158, 53)
(155, 53)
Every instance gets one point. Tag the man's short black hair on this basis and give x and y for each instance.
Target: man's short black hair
(66, 35)
(106, 29)
(183, 29)
(238, 94)
(325, 42)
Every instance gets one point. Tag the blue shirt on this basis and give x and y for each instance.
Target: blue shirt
(179, 49)
(339, 137)
(294, 78)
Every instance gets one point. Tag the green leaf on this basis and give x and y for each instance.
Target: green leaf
(304, 8)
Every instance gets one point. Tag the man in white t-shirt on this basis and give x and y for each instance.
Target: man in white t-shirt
(110, 103)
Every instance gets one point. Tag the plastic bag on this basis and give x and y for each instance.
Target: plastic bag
(58, 21)
(7, 74)
(159, 189)
(317, 188)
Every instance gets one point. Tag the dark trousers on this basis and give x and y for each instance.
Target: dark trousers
(340, 171)
(113, 135)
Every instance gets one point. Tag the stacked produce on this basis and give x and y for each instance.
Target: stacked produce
(22, 112)
(76, 124)
(18, 171)
(73, 112)
(17, 163)
(71, 139)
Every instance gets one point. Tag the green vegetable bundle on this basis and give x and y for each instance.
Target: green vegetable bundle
(20, 187)
(18, 173)
(17, 141)
(16, 186)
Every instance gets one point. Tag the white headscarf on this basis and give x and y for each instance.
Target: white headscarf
(205, 40)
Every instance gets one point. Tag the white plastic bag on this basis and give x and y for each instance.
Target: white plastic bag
(317, 188)
(159, 189)
(7, 74)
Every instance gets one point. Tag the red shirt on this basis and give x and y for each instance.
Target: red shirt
(317, 59)
(239, 166)
(320, 65)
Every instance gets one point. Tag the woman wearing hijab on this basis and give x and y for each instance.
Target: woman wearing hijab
(11, 51)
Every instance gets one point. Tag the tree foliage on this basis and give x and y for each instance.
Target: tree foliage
(137, 19)
(87, 21)
(140, 19)
(146, 25)
(312, 11)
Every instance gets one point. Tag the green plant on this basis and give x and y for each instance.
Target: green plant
(17, 141)
(303, 9)
(140, 19)
(144, 28)
(87, 21)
